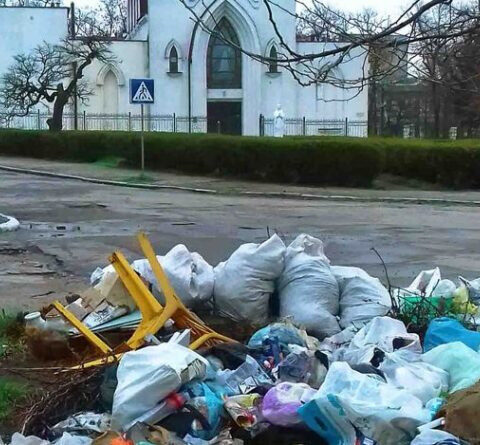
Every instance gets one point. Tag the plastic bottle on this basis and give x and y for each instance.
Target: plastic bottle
(170, 405)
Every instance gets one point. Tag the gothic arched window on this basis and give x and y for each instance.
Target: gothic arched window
(173, 60)
(224, 61)
(273, 64)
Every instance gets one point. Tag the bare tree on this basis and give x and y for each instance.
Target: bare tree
(35, 3)
(108, 20)
(346, 36)
(51, 73)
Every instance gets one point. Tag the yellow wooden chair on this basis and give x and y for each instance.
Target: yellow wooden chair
(154, 315)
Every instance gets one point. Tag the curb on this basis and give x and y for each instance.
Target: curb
(11, 225)
(105, 181)
(278, 195)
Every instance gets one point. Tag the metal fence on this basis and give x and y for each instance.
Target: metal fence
(182, 124)
(314, 127)
(109, 122)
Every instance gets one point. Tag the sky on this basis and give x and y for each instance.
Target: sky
(383, 6)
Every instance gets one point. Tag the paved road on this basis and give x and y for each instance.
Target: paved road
(69, 228)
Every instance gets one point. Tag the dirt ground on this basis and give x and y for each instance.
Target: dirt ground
(69, 228)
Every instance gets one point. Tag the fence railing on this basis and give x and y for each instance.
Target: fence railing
(109, 122)
(315, 127)
(181, 124)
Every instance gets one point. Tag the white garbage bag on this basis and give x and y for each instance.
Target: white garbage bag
(461, 362)
(362, 297)
(20, 439)
(147, 376)
(351, 402)
(435, 437)
(418, 378)
(308, 291)
(69, 439)
(245, 282)
(382, 333)
(189, 274)
(425, 283)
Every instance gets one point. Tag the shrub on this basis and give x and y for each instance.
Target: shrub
(325, 161)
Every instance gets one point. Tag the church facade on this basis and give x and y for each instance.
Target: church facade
(197, 75)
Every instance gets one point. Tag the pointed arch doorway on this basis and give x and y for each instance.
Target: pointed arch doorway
(224, 80)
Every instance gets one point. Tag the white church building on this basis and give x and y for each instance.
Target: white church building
(198, 77)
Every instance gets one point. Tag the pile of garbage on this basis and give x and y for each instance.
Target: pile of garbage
(335, 367)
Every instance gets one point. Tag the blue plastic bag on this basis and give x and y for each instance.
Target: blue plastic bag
(285, 334)
(448, 330)
(210, 405)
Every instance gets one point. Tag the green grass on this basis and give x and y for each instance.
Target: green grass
(11, 395)
(11, 335)
(110, 162)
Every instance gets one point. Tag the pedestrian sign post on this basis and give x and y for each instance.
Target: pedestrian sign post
(142, 91)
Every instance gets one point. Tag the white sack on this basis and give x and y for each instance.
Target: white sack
(308, 291)
(189, 274)
(245, 282)
(148, 375)
(362, 297)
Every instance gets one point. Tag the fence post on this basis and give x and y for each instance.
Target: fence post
(219, 127)
(84, 120)
(174, 122)
(304, 126)
(39, 124)
(346, 126)
(261, 127)
(129, 121)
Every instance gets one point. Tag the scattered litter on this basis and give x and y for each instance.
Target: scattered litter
(8, 223)
(341, 365)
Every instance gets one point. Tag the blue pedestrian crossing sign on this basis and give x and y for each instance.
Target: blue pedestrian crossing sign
(142, 91)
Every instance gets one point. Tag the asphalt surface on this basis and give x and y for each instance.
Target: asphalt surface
(69, 228)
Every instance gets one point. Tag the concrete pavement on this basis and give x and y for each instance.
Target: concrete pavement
(70, 227)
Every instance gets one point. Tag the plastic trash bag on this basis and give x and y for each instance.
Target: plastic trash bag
(148, 375)
(418, 378)
(281, 403)
(351, 406)
(244, 379)
(87, 421)
(211, 407)
(435, 437)
(286, 333)
(425, 283)
(189, 274)
(362, 297)
(445, 289)
(245, 282)
(382, 334)
(473, 288)
(68, 439)
(307, 289)
(447, 330)
(460, 361)
(20, 439)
